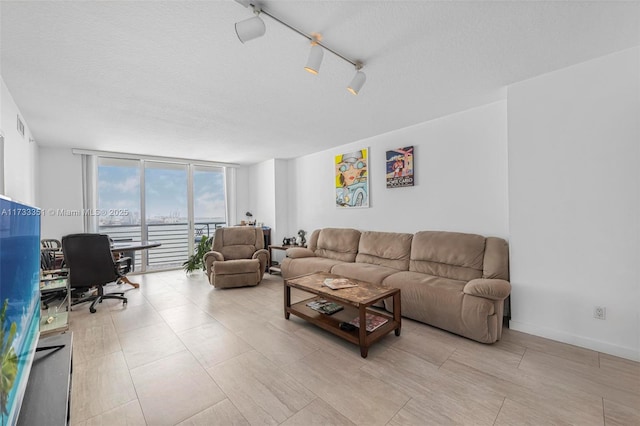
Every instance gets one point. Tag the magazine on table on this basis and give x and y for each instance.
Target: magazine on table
(373, 321)
(324, 306)
(338, 283)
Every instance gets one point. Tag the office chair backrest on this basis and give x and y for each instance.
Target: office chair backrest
(89, 259)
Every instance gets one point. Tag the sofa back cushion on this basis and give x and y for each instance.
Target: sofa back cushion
(238, 242)
(335, 243)
(389, 249)
(448, 254)
(496, 259)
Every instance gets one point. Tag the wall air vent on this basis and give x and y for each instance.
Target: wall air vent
(20, 127)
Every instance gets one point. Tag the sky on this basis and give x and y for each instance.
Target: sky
(166, 192)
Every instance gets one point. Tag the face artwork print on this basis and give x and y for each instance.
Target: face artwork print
(352, 179)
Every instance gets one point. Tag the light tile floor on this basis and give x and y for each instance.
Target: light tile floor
(182, 352)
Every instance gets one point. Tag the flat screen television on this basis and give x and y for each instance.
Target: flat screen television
(19, 301)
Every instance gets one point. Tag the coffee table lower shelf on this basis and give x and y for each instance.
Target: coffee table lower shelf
(356, 304)
(331, 323)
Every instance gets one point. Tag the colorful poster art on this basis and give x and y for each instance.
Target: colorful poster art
(400, 167)
(352, 179)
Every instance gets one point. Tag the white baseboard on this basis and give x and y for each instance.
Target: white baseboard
(584, 342)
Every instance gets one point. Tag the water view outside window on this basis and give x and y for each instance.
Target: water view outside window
(209, 203)
(119, 198)
(166, 213)
(163, 213)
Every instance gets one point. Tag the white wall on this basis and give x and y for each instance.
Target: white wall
(460, 179)
(20, 155)
(60, 189)
(574, 155)
(240, 196)
(262, 189)
(282, 227)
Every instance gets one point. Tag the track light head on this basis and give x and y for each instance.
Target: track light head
(315, 56)
(251, 28)
(357, 81)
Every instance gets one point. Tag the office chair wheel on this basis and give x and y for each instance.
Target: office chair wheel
(92, 310)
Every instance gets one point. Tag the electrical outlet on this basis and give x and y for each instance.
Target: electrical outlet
(600, 312)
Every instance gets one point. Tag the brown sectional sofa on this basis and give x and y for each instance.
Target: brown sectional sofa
(454, 281)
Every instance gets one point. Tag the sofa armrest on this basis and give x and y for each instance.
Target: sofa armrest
(209, 258)
(493, 289)
(263, 256)
(299, 252)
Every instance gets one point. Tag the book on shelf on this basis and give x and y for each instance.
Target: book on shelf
(373, 321)
(338, 283)
(316, 304)
(331, 308)
(324, 306)
(54, 283)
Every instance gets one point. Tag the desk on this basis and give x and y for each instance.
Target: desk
(127, 246)
(120, 246)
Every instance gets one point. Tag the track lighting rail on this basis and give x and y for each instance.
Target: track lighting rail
(307, 36)
(252, 28)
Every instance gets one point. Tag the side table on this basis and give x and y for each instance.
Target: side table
(275, 266)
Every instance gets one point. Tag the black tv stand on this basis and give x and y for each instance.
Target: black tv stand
(47, 397)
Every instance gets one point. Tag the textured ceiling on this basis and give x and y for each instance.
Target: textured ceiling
(171, 78)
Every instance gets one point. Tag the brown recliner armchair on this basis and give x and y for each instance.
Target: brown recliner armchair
(237, 257)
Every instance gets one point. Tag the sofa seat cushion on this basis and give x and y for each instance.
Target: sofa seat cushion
(294, 267)
(444, 305)
(363, 271)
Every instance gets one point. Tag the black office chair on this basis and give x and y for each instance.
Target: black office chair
(91, 264)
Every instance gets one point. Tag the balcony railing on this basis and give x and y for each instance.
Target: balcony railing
(174, 238)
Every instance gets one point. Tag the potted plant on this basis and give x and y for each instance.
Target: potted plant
(195, 261)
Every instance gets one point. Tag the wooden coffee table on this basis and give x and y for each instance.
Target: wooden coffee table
(356, 302)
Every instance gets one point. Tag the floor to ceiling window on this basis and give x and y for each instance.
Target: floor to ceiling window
(209, 201)
(119, 199)
(166, 213)
(173, 203)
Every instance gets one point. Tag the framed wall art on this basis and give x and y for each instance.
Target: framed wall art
(352, 179)
(400, 167)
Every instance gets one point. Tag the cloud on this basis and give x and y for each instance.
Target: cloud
(210, 204)
(130, 185)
